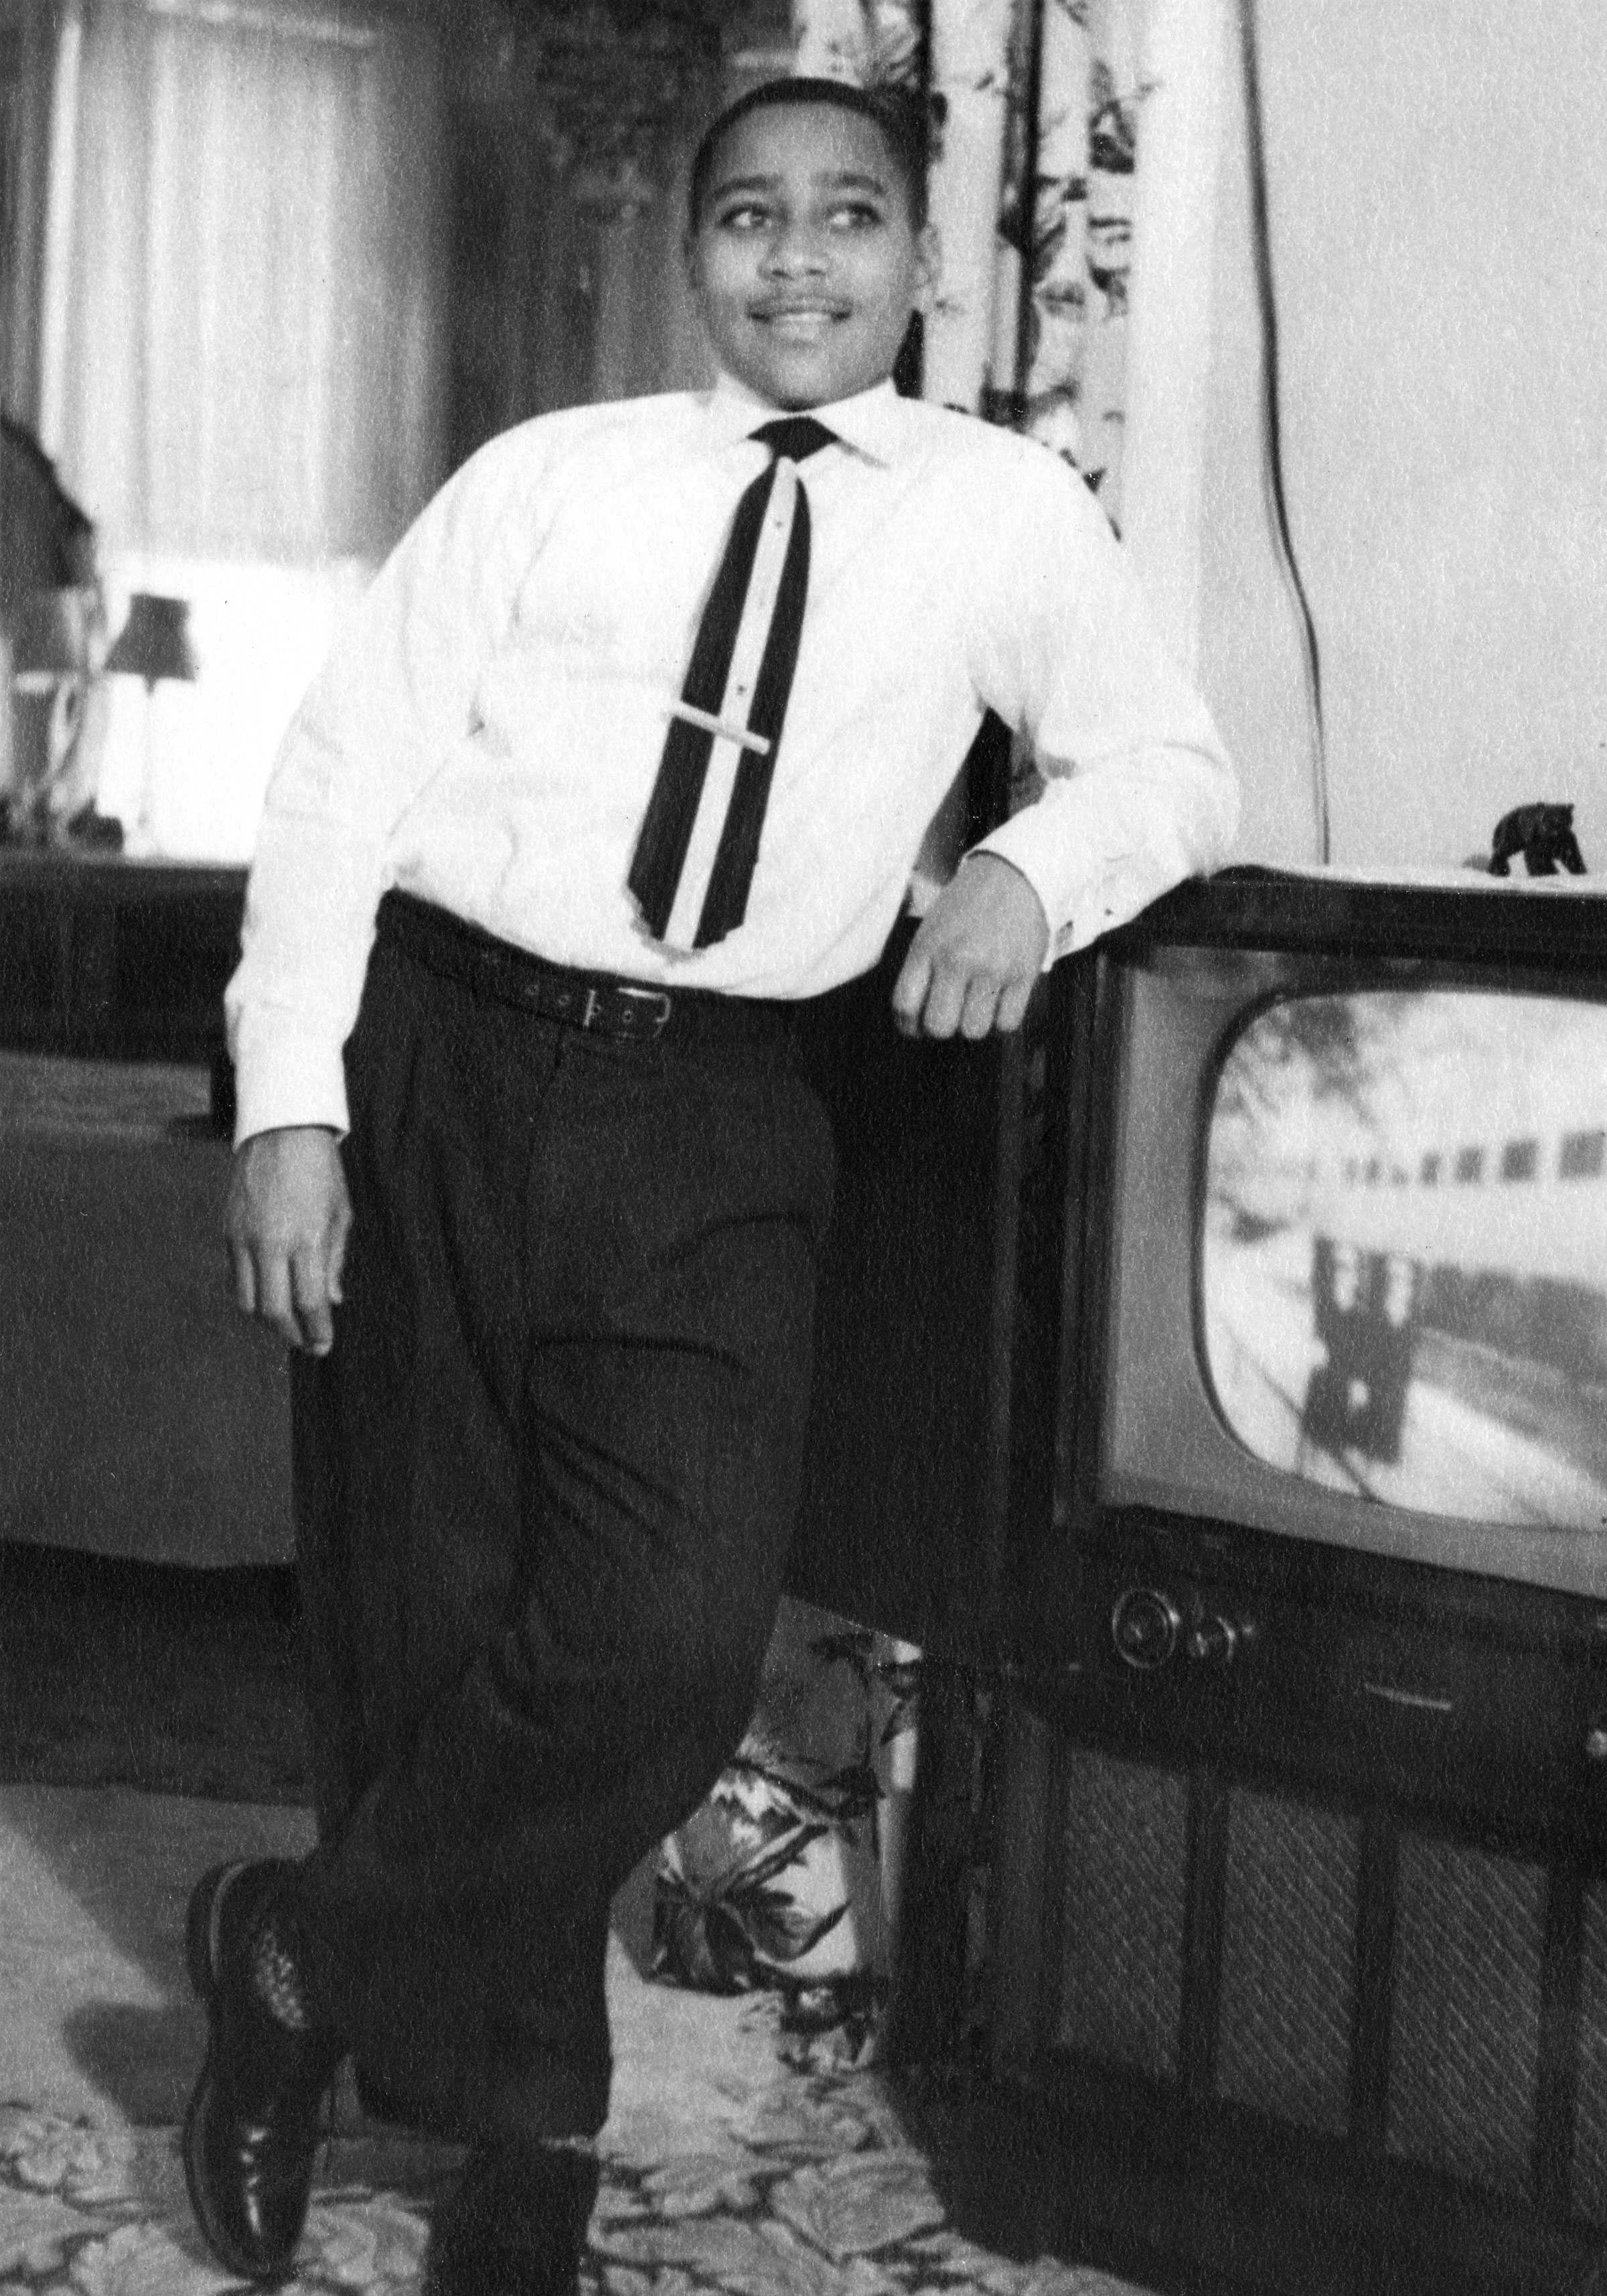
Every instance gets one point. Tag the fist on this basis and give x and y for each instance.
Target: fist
(980, 949)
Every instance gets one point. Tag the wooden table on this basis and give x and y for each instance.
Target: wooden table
(123, 959)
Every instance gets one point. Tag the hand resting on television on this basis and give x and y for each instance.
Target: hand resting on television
(981, 947)
(286, 1224)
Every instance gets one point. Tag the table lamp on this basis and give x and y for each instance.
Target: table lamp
(154, 644)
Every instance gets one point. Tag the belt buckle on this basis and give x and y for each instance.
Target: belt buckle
(636, 1020)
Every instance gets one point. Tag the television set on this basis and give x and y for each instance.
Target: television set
(1329, 1396)
(1302, 1892)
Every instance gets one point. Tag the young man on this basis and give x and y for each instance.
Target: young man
(631, 748)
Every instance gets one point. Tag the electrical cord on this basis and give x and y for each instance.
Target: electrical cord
(1271, 469)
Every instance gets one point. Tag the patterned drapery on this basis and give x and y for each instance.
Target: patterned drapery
(864, 40)
(1035, 117)
(1076, 233)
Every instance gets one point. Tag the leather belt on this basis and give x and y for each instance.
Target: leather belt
(637, 1012)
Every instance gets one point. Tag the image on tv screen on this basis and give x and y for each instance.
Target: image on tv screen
(1403, 1268)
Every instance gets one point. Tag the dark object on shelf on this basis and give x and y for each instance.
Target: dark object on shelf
(94, 832)
(1543, 835)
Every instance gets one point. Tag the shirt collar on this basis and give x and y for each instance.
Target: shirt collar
(871, 422)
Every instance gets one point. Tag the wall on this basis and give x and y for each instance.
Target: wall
(1438, 179)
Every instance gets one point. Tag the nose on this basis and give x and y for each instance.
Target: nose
(795, 249)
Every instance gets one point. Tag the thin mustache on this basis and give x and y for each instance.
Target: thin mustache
(800, 307)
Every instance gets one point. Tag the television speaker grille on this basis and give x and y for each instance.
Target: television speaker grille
(1465, 2038)
(1288, 1983)
(1127, 1853)
(1588, 2182)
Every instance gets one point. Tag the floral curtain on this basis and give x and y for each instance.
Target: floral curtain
(791, 1876)
(1073, 236)
(787, 1878)
(1032, 199)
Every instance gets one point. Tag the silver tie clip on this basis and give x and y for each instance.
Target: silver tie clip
(722, 727)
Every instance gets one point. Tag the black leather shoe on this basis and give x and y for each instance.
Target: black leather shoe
(252, 2129)
(514, 2228)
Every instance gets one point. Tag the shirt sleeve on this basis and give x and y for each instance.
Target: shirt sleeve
(395, 695)
(1137, 789)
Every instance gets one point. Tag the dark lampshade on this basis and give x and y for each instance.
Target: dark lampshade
(48, 630)
(154, 642)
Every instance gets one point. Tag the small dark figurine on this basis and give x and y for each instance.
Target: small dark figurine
(1543, 835)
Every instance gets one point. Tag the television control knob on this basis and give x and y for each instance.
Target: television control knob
(1145, 1627)
(1213, 1641)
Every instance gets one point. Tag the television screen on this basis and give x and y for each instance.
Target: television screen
(1356, 1257)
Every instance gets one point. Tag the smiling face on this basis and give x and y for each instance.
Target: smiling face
(807, 261)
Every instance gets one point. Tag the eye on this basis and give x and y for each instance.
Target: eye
(747, 215)
(856, 215)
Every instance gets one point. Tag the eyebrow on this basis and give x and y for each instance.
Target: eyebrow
(846, 180)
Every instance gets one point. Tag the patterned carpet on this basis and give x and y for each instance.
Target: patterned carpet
(815, 2192)
(737, 2158)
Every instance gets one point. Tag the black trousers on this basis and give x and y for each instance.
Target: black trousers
(544, 1485)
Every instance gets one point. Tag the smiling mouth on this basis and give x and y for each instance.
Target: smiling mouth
(804, 321)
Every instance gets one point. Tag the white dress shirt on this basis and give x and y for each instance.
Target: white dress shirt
(486, 730)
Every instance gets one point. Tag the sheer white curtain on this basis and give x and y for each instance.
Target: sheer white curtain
(245, 350)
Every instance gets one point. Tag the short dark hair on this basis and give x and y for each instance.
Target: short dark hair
(897, 112)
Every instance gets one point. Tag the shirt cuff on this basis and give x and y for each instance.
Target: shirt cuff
(1096, 849)
(285, 1077)
(1024, 853)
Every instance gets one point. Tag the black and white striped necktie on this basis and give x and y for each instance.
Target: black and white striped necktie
(698, 841)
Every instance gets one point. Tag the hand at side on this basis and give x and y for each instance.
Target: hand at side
(286, 1225)
(979, 949)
